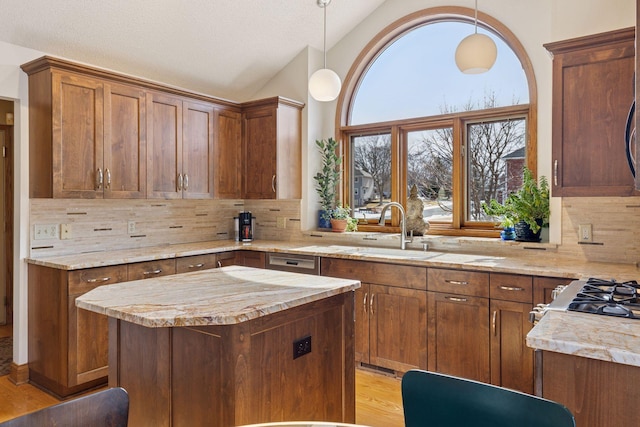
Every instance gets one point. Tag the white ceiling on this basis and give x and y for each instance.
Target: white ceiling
(226, 48)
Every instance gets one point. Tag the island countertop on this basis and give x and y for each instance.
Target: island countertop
(607, 338)
(221, 296)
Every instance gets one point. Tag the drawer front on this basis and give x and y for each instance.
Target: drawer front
(196, 263)
(82, 281)
(149, 269)
(459, 282)
(402, 276)
(511, 287)
(225, 259)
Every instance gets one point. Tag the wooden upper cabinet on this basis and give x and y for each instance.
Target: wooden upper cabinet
(636, 123)
(124, 142)
(593, 89)
(164, 148)
(228, 154)
(197, 150)
(272, 149)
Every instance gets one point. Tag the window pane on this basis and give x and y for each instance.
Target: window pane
(430, 169)
(496, 152)
(371, 171)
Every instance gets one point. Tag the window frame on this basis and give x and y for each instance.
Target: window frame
(398, 128)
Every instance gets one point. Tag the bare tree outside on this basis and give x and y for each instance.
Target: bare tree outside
(372, 155)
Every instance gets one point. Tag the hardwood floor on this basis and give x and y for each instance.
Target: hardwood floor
(378, 399)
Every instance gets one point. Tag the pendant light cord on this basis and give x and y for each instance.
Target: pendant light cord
(476, 18)
(324, 43)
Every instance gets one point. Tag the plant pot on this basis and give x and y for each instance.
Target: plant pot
(524, 233)
(338, 225)
(508, 233)
(323, 220)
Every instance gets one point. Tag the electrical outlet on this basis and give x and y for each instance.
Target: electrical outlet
(65, 231)
(301, 347)
(281, 222)
(131, 227)
(585, 233)
(46, 231)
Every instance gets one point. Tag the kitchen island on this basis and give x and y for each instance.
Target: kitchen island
(231, 346)
(591, 364)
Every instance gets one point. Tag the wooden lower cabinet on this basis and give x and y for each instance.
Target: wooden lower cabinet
(250, 259)
(67, 346)
(458, 335)
(511, 359)
(149, 269)
(542, 287)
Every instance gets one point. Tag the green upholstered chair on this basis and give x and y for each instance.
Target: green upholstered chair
(436, 400)
(106, 408)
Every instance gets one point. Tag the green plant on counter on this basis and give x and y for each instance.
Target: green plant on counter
(341, 212)
(329, 176)
(529, 204)
(352, 224)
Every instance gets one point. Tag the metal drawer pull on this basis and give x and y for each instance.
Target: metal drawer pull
(371, 304)
(108, 175)
(456, 299)
(186, 182)
(510, 288)
(179, 181)
(493, 322)
(273, 183)
(196, 265)
(364, 301)
(457, 282)
(555, 172)
(219, 264)
(147, 273)
(102, 279)
(99, 179)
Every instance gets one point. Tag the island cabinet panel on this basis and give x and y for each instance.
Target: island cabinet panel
(67, 345)
(228, 154)
(391, 297)
(458, 335)
(598, 393)
(242, 373)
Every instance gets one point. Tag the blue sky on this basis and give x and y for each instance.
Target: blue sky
(417, 74)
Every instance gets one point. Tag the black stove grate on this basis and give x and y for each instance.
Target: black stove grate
(609, 298)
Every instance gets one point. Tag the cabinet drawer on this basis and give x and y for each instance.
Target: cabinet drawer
(225, 259)
(149, 269)
(251, 259)
(402, 276)
(196, 263)
(511, 287)
(473, 283)
(82, 281)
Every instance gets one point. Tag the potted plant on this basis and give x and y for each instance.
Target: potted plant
(528, 208)
(340, 217)
(327, 179)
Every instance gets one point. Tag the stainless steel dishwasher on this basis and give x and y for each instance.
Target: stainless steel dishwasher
(306, 264)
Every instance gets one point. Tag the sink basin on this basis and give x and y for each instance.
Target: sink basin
(382, 252)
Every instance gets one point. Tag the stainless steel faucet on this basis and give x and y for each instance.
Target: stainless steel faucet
(403, 226)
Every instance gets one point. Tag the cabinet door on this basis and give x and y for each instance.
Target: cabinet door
(458, 335)
(197, 150)
(125, 174)
(164, 146)
(88, 346)
(259, 178)
(78, 108)
(362, 306)
(511, 359)
(228, 150)
(542, 287)
(398, 336)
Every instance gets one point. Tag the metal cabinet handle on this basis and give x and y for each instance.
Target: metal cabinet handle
(371, 305)
(456, 299)
(102, 279)
(219, 264)
(196, 265)
(186, 182)
(179, 181)
(510, 288)
(457, 282)
(108, 175)
(273, 183)
(148, 273)
(555, 172)
(493, 322)
(99, 179)
(364, 302)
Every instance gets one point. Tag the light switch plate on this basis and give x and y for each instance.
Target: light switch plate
(46, 231)
(281, 222)
(65, 231)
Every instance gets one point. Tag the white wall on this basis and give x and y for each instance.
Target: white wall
(534, 23)
(14, 86)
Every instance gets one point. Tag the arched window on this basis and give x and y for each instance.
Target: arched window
(408, 117)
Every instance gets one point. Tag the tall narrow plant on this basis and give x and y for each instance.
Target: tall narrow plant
(328, 177)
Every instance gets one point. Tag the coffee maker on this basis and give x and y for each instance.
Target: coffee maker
(246, 225)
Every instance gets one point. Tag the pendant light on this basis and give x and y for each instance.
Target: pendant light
(324, 84)
(476, 53)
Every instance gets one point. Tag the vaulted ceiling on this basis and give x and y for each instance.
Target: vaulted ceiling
(226, 48)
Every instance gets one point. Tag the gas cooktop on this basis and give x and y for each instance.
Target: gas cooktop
(608, 297)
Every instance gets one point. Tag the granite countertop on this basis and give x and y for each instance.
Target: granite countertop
(608, 338)
(531, 264)
(221, 296)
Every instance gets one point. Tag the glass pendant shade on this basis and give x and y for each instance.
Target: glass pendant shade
(476, 54)
(324, 85)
